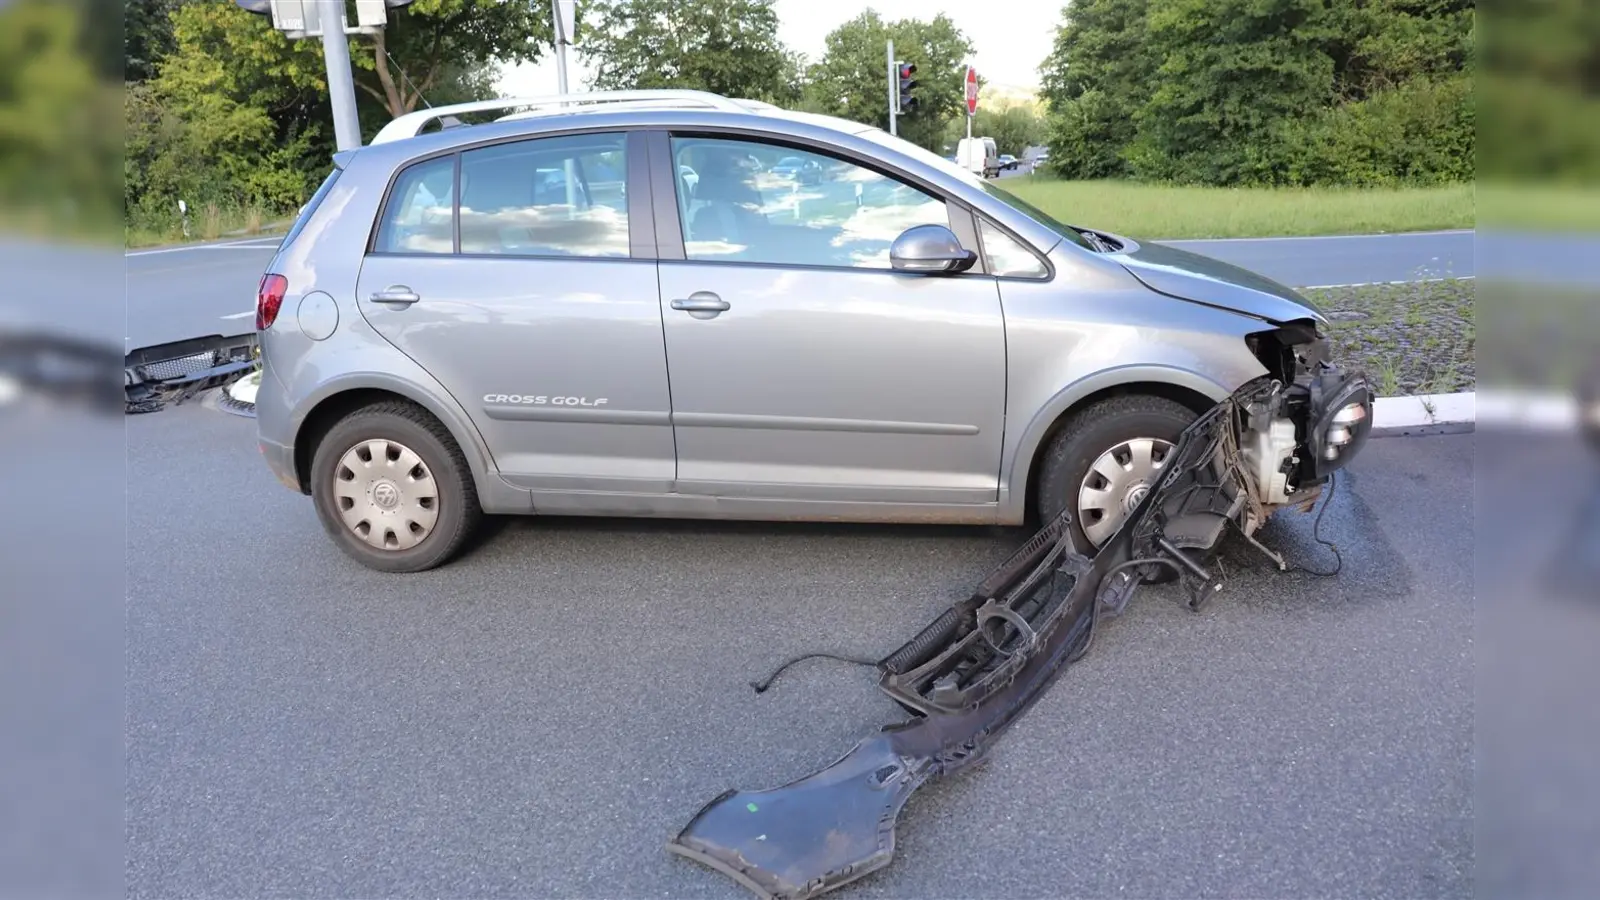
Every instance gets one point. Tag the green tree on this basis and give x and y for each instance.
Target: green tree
(238, 114)
(436, 50)
(146, 37)
(1099, 73)
(56, 155)
(1233, 73)
(728, 47)
(851, 80)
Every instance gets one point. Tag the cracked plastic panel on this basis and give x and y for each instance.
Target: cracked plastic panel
(969, 675)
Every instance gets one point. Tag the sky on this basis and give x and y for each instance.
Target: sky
(1009, 39)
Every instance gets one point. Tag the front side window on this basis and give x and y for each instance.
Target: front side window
(1007, 257)
(558, 196)
(419, 217)
(749, 201)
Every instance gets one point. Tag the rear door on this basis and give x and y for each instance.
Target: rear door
(803, 367)
(533, 300)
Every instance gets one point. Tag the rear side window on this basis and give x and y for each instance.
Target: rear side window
(556, 196)
(420, 214)
(311, 206)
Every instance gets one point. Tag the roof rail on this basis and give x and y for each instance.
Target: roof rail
(411, 124)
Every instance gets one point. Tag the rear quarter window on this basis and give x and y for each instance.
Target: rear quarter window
(311, 206)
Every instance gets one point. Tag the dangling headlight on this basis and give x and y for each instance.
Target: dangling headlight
(1341, 420)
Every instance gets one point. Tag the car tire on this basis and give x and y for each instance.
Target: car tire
(401, 432)
(1089, 434)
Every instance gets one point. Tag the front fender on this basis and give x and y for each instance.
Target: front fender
(1018, 464)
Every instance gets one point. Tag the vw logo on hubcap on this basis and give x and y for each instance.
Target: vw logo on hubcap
(1136, 496)
(386, 495)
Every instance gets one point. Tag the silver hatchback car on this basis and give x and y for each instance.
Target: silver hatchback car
(672, 303)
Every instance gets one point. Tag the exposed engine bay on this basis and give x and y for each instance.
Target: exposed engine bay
(985, 660)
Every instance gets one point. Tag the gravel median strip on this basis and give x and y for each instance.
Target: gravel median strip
(1412, 338)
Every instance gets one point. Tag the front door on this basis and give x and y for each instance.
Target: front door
(802, 366)
(539, 313)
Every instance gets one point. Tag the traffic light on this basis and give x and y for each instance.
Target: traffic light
(905, 70)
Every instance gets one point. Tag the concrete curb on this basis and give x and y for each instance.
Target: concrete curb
(1424, 414)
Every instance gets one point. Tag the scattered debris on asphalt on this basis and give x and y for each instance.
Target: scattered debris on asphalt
(979, 666)
(173, 373)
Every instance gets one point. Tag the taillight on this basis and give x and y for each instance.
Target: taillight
(269, 298)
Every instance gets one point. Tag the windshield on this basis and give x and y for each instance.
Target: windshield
(1036, 214)
(989, 187)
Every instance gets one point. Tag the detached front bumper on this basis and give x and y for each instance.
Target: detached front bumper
(980, 665)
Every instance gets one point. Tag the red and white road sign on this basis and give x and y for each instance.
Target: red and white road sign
(972, 91)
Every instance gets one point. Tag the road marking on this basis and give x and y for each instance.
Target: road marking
(1318, 287)
(243, 315)
(251, 244)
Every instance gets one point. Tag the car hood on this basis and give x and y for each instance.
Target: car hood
(1201, 279)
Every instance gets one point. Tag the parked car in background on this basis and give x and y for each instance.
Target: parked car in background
(1008, 162)
(453, 329)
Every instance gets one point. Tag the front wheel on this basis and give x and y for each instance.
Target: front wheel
(1105, 459)
(393, 489)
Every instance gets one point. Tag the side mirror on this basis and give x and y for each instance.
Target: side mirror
(930, 248)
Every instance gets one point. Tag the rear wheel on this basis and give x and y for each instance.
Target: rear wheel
(393, 489)
(1105, 459)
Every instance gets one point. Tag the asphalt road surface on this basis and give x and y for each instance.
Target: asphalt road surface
(538, 718)
(182, 292)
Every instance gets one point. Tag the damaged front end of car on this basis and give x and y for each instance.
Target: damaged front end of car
(985, 660)
(1309, 421)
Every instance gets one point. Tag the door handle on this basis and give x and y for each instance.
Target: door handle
(702, 305)
(398, 293)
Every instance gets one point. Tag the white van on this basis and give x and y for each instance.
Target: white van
(979, 154)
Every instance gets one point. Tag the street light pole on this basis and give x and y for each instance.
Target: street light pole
(341, 85)
(562, 13)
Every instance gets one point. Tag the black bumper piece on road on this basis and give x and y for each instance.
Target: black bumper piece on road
(969, 675)
(154, 375)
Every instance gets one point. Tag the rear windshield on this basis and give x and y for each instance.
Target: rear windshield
(311, 206)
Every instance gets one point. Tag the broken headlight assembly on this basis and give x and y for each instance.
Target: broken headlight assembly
(1312, 425)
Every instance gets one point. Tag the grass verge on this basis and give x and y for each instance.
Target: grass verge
(1416, 338)
(1154, 211)
(207, 223)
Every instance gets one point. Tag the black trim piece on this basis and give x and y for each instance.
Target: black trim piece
(455, 209)
(664, 197)
(640, 196)
(510, 412)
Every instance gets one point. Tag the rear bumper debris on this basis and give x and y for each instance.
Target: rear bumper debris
(978, 667)
(172, 373)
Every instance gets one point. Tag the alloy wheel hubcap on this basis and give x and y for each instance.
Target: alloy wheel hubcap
(385, 494)
(1116, 484)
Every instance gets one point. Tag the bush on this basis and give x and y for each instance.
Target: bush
(1418, 133)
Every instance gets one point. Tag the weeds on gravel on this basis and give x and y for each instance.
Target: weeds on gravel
(1415, 338)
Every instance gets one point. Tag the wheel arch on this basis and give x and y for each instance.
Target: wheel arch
(1187, 388)
(338, 399)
